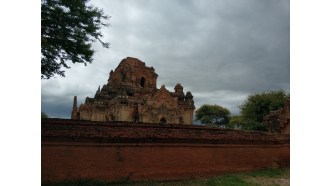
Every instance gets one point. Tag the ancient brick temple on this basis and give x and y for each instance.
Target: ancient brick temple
(131, 94)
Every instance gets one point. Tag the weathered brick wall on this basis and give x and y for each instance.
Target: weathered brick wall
(109, 151)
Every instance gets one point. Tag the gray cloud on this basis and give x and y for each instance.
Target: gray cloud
(222, 51)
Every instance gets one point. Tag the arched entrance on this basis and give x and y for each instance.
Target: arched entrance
(142, 83)
(162, 120)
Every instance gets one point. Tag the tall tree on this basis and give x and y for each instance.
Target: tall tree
(68, 28)
(213, 115)
(258, 105)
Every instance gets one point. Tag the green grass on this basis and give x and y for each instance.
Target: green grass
(269, 177)
(228, 180)
(270, 173)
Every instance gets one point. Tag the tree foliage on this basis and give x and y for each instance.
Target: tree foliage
(68, 29)
(235, 122)
(258, 105)
(213, 115)
(44, 115)
(238, 122)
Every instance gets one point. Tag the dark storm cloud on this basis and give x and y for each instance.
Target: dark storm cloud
(221, 51)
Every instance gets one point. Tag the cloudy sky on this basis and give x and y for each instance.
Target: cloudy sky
(220, 50)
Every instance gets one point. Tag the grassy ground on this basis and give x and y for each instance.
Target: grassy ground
(268, 177)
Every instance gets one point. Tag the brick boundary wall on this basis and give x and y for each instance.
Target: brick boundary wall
(115, 150)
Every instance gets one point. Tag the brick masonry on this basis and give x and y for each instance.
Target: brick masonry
(110, 151)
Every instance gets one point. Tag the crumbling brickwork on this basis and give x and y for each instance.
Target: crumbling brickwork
(278, 121)
(138, 151)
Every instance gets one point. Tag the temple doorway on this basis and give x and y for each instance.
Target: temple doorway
(142, 82)
(162, 120)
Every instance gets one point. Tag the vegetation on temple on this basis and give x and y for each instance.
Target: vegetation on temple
(68, 29)
(213, 115)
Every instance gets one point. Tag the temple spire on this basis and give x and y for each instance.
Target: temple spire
(74, 107)
(74, 113)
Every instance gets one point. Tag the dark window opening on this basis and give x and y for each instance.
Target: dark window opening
(162, 120)
(142, 82)
(123, 76)
(181, 120)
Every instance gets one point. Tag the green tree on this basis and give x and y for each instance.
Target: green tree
(214, 115)
(256, 106)
(43, 115)
(235, 122)
(238, 122)
(68, 28)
